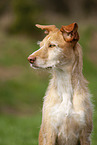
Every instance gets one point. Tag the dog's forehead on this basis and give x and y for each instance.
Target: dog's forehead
(54, 36)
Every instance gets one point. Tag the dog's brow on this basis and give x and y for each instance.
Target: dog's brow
(54, 43)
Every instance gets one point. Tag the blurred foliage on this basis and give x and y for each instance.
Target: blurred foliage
(24, 12)
(55, 6)
(27, 12)
(4, 4)
(90, 6)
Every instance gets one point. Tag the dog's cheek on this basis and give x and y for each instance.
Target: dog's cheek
(53, 54)
(40, 62)
(44, 54)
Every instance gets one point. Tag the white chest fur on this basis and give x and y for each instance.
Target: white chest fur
(64, 92)
(61, 110)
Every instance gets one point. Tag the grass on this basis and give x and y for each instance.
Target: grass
(17, 130)
(22, 89)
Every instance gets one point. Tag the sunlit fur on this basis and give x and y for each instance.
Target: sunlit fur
(67, 110)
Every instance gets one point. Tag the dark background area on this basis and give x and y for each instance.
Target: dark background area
(21, 16)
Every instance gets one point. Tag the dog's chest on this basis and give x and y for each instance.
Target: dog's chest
(66, 122)
(63, 118)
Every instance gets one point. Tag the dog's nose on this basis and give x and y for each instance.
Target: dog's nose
(31, 59)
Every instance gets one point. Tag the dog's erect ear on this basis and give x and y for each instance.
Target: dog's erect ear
(70, 32)
(48, 28)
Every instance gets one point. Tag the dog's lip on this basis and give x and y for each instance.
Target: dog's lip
(39, 67)
(34, 66)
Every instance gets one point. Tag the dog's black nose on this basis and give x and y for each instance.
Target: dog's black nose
(31, 59)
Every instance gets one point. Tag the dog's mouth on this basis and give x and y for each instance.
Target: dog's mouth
(40, 67)
(34, 66)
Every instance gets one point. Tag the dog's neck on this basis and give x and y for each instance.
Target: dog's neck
(62, 81)
(67, 80)
(62, 84)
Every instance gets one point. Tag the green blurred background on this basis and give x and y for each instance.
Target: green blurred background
(22, 88)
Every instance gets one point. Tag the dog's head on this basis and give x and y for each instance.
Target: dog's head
(57, 48)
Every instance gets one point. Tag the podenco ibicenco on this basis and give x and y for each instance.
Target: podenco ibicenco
(67, 109)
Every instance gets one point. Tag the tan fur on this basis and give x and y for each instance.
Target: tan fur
(67, 109)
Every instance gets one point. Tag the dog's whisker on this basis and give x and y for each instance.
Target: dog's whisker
(38, 42)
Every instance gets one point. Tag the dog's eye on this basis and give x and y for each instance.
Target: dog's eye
(52, 45)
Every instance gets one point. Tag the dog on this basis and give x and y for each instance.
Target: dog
(67, 109)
